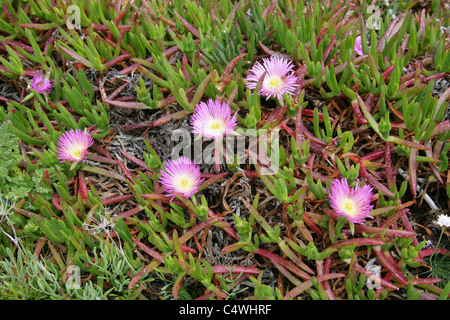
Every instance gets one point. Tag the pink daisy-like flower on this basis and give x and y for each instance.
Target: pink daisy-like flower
(73, 145)
(354, 203)
(358, 46)
(181, 176)
(213, 119)
(41, 84)
(279, 78)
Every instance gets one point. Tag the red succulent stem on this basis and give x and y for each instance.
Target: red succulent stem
(389, 232)
(326, 284)
(330, 213)
(432, 77)
(157, 196)
(389, 265)
(127, 105)
(104, 27)
(116, 60)
(125, 170)
(444, 97)
(28, 214)
(187, 25)
(287, 129)
(171, 117)
(152, 253)
(56, 200)
(430, 251)
(137, 161)
(299, 136)
(320, 35)
(10, 17)
(18, 44)
(442, 127)
(136, 126)
(149, 268)
(96, 147)
(387, 160)
(2, 98)
(417, 281)
(388, 71)
(114, 234)
(40, 245)
(116, 92)
(413, 171)
(406, 77)
(328, 49)
(309, 283)
(374, 277)
(184, 62)
(306, 233)
(369, 101)
(433, 166)
(311, 224)
(230, 67)
(283, 262)
(324, 268)
(359, 116)
(98, 158)
(393, 218)
(211, 178)
(119, 17)
(303, 134)
(82, 184)
(272, 52)
(356, 241)
(406, 223)
(182, 246)
(228, 229)
(372, 181)
(132, 67)
(117, 199)
(128, 213)
(373, 155)
(234, 269)
(177, 285)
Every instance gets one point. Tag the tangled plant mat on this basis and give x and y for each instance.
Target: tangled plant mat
(211, 150)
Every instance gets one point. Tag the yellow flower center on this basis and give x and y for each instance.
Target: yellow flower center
(77, 152)
(274, 82)
(349, 206)
(215, 127)
(185, 183)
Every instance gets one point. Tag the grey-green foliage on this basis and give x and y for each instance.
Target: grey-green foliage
(112, 272)
(14, 183)
(23, 276)
(9, 159)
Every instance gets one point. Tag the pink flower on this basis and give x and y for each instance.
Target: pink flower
(73, 145)
(41, 84)
(279, 78)
(181, 176)
(213, 119)
(354, 203)
(358, 46)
